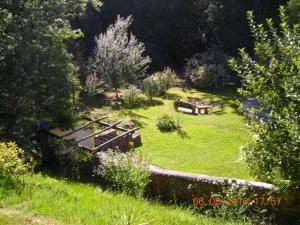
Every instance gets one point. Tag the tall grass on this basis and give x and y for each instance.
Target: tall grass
(73, 203)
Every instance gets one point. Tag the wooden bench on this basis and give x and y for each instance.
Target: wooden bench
(185, 107)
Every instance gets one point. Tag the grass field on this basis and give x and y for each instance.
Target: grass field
(49, 201)
(207, 144)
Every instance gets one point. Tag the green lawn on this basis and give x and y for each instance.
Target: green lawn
(208, 144)
(50, 201)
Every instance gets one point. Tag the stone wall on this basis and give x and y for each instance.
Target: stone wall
(168, 185)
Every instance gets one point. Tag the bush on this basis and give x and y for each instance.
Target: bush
(166, 79)
(166, 124)
(159, 83)
(65, 118)
(131, 96)
(239, 204)
(208, 70)
(150, 87)
(126, 172)
(93, 85)
(12, 165)
(211, 76)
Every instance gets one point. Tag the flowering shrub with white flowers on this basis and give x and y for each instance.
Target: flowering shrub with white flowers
(124, 172)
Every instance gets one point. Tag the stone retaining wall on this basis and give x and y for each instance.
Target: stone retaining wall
(168, 185)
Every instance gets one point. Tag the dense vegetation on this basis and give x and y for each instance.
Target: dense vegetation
(37, 73)
(50, 68)
(272, 76)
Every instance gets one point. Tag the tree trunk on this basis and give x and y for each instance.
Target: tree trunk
(117, 94)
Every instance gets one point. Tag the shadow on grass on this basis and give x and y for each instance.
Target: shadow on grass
(183, 134)
(149, 103)
(226, 96)
(218, 113)
(142, 103)
(136, 118)
(172, 96)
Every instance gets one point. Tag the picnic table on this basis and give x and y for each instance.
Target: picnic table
(196, 106)
(202, 107)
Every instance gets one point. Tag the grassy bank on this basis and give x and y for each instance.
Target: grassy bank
(47, 200)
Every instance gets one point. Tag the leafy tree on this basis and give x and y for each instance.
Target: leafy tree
(273, 77)
(118, 56)
(37, 74)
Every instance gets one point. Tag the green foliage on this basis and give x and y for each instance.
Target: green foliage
(93, 85)
(165, 80)
(37, 74)
(131, 96)
(273, 78)
(166, 123)
(237, 203)
(118, 56)
(150, 88)
(208, 70)
(65, 118)
(159, 83)
(211, 76)
(293, 11)
(12, 164)
(126, 172)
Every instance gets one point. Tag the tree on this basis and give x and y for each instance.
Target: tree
(118, 55)
(37, 73)
(272, 75)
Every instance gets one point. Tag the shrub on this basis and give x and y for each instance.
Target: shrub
(208, 70)
(211, 76)
(126, 172)
(65, 118)
(150, 87)
(159, 83)
(238, 204)
(166, 79)
(12, 165)
(93, 85)
(166, 123)
(131, 96)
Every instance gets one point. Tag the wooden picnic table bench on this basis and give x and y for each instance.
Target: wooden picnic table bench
(202, 107)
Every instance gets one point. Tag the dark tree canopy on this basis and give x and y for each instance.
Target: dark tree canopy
(37, 74)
